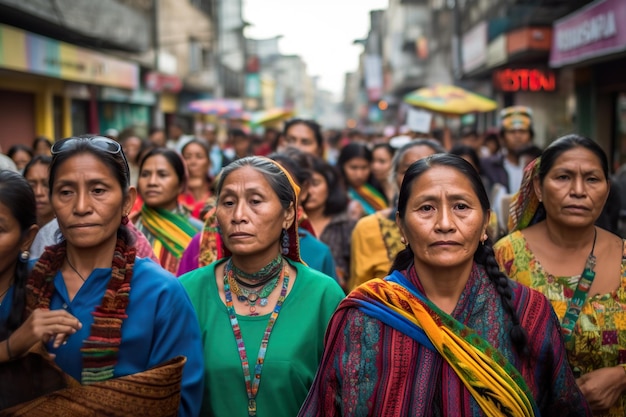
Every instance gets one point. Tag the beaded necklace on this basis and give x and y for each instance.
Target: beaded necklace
(252, 386)
(575, 304)
(250, 296)
(266, 273)
(263, 283)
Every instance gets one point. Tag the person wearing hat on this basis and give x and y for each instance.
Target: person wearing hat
(516, 131)
(504, 170)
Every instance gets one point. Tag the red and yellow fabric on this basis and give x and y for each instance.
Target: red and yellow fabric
(490, 378)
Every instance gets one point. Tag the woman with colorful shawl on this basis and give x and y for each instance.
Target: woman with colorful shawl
(103, 332)
(262, 311)
(556, 247)
(446, 333)
(167, 225)
(367, 197)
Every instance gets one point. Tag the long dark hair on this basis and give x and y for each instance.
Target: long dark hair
(337, 199)
(357, 150)
(484, 255)
(17, 195)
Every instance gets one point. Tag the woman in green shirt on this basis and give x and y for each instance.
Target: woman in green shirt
(262, 311)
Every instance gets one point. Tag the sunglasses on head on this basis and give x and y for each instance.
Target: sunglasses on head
(96, 142)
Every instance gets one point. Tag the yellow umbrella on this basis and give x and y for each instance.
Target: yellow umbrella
(449, 100)
(266, 117)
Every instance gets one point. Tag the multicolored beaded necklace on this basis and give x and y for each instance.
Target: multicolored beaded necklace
(575, 304)
(252, 386)
(265, 274)
(264, 283)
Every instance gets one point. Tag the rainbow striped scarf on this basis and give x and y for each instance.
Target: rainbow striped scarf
(495, 384)
(370, 198)
(174, 231)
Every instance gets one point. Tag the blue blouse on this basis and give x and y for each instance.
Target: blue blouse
(5, 307)
(161, 324)
(316, 253)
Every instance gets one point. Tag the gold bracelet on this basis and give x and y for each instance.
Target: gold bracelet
(9, 349)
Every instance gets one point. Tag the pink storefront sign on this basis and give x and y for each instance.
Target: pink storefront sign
(595, 30)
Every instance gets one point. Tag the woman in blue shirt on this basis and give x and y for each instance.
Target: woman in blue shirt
(134, 315)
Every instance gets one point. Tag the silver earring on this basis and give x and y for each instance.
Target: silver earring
(24, 256)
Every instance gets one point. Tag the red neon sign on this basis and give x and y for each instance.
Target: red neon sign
(512, 80)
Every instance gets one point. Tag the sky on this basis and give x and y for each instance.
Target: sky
(320, 31)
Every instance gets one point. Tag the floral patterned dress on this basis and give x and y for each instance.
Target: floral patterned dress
(599, 338)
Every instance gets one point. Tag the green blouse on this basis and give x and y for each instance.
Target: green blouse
(293, 352)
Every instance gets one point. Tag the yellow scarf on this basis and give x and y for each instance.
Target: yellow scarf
(492, 380)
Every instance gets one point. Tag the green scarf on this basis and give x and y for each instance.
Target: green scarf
(173, 230)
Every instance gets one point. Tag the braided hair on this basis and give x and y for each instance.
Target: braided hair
(484, 255)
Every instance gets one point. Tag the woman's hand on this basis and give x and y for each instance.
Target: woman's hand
(603, 387)
(42, 326)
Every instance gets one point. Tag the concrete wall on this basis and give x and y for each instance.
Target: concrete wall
(179, 22)
(106, 23)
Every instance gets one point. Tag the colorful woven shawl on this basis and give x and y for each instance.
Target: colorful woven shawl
(100, 349)
(173, 230)
(525, 208)
(370, 198)
(492, 380)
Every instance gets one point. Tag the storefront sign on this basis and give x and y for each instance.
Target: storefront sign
(474, 51)
(27, 52)
(157, 82)
(139, 96)
(593, 31)
(524, 79)
(529, 39)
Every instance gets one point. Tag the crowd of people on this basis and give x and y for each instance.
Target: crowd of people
(313, 273)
